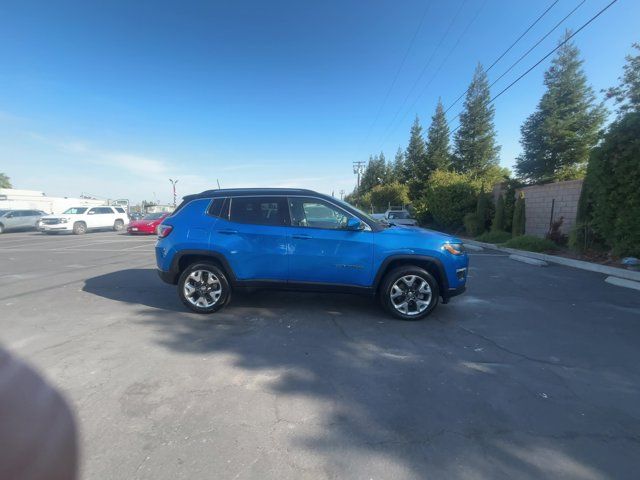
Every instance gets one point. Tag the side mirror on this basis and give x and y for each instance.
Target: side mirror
(354, 223)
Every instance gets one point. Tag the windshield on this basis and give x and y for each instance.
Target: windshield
(153, 216)
(75, 211)
(2, 212)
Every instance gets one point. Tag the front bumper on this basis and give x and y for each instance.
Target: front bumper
(58, 227)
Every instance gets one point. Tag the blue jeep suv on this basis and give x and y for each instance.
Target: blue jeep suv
(221, 240)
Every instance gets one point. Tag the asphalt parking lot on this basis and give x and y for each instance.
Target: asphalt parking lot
(533, 373)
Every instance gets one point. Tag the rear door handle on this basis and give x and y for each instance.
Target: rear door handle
(228, 232)
(301, 236)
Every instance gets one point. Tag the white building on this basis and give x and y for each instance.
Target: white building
(11, 198)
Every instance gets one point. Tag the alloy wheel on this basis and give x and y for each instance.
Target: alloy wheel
(410, 295)
(202, 288)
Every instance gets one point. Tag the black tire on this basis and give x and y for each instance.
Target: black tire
(79, 228)
(413, 296)
(222, 282)
(1, 228)
(118, 225)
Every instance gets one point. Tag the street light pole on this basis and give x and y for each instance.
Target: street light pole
(173, 185)
(358, 169)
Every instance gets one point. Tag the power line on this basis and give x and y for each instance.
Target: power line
(395, 78)
(435, 74)
(508, 49)
(584, 25)
(537, 43)
(424, 68)
(525, 54)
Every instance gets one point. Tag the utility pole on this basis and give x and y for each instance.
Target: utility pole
(358, 169)
(341, 194)
(173, 185)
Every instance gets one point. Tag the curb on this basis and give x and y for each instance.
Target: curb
(567, 262)
(528, 260)
(622, 282)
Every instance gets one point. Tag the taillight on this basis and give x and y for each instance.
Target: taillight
(164, 230)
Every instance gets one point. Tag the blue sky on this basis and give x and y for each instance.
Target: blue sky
(114, 98)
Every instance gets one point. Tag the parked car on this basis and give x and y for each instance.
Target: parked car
(147, 224)
(19, 219)
(221, 240)
(79, 220)
(400, 217)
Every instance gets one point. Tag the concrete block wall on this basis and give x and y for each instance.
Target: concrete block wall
(538, 201)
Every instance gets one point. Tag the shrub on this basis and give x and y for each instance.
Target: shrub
(531, 243)
(381, 196)
(519, 220)
(449, 197)
(555, 234)
(471, 224)
(497, 225)
(494, 237)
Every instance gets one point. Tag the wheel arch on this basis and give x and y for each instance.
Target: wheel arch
(185, 258)
(430, 264)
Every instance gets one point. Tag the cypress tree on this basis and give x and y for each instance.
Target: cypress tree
(498, 220)
(519, 220)
(556, 139)
(475, 141)
(438, 153)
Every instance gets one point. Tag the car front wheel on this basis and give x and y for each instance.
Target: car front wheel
(204, 288)
(79, 228)
(409, 292)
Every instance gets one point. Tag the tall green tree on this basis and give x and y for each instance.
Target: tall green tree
(438, 150)
(397, 168)
(627, 93)
(376, 173)
(5, 182)
(558, 136)
(476, 150)
(610, 201)
(415, 159)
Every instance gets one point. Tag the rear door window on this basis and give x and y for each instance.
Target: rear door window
(260, 210)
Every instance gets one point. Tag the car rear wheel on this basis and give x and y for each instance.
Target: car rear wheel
(1, 228)
(79, 228)
(409, 292)
(204, 288)
(118, 225)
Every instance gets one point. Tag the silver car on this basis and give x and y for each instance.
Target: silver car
(400, 217)
(20, 219)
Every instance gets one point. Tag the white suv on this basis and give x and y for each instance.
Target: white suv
(80, 219)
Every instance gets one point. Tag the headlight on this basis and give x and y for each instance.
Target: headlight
(454, 248)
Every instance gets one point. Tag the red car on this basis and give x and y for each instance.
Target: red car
(148, 224)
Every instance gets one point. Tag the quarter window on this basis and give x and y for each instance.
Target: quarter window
(314, 213)
(219, 207)
(260, 210)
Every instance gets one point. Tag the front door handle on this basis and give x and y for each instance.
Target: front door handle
(228, 232)
(301, 236)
